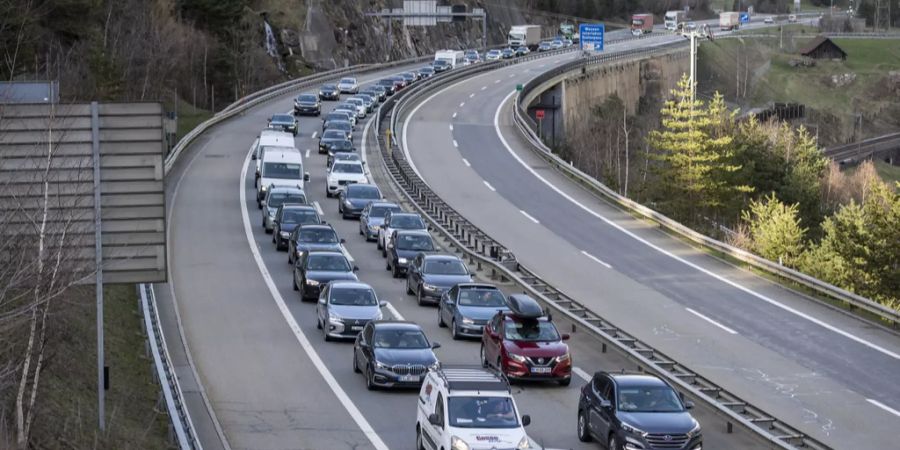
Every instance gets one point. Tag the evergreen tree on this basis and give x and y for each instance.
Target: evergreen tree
(775, 230)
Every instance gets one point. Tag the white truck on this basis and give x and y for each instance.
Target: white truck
(453, 57)
(675, 20)
(524, 35)
(729, 20)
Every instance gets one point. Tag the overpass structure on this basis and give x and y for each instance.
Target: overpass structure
(769, 367)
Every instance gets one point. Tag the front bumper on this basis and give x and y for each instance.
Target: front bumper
(433, 295)
(658, 440)
(345, 329)
(312, 110)
(526, 371)
(330, 96)
(387, 378)
(371, 233)
(311, 292)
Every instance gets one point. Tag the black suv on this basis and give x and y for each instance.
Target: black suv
(640, 410)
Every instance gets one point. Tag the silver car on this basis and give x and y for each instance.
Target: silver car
(360, 106)
(348, 86)
(277, 196)
(372, 218)
(345, 307)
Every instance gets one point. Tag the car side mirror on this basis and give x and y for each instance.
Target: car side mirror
(253, 156)
(435, 345)
(566, 336)
(343, 240)
(356, 268)
(321, 301)
(433, 419)
(526, 420)
(322, 222)
(262, 202)
(382, 304)
(306, 176)
(688, 404)
(605, 404)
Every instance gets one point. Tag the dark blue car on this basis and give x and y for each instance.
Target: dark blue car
(467, 307)
(307, 238)
(355, 197)
(287, 218)
(407, 244)
(429, 276)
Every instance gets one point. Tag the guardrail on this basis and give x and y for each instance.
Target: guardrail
(527, 126)
(866, 149)
(180, 420)
(487, 254)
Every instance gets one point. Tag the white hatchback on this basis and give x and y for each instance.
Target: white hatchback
(342, 173)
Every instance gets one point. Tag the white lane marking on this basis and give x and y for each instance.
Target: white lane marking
(482, 88)
(363, 149)
(314, 134)
(307, 153)
(496, 81)
(884, 407)
(471, 95)
(733, 284)
(581, 373)
(454, 115)
(394, 313)
(512, 75)
(489, 186)
(466, 162)
(727, 330)
(451, 127)
(461, 104)
(347, 254)
(528, 216)
(318, 208)
(317, 362)
(596, 259)
(455, 144)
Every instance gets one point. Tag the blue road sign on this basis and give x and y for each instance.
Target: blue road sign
(591, 36)
(745, 17)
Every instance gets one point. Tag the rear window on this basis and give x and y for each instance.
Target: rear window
(277, 199)
(282, 118)
(286, 171)
(380, 211)
(301, 216)
(407, 223)
(318, 236)
(445, 267)
(415, 242)
(365, 192)
(334, 134)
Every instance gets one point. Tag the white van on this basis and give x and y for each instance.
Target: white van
(280, 166)
(454, 57)
(269, 138)
(468, 407)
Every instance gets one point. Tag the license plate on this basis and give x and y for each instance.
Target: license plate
(409, 378)
(356, 328)
(540, 370)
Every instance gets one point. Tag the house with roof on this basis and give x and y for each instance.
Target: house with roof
(823, 48)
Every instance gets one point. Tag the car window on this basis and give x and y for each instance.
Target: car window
(400, 339)
(347, 168)
(320, 236)
(648, 399)
(364, 192)
(407, 222)
(530, 330)
(414, 242)
(481, 298)
(439, 409)
(327, 262)
(328, 87)
(380, 211)
(445, 267)
(300, 216)
(482, 412)
(347, 81)
(286, 171)
(600, 384)
(282, 118)
(367, 333)
(353, 297)
(307, 98)
(277, 199)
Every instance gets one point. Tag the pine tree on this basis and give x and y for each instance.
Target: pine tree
(775, 230)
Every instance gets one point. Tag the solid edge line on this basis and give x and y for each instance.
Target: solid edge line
(703, 270)
(396, 314)
(581, 373)
(884, 407)
(727, 330)
(489, 185)
(596, 259)
(529, 216)
(455, 144)
(307, 154)
(466, 162)
(317, 362)
(184, 343)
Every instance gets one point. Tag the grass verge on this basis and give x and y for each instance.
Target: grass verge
(67, 402)
(888, 173)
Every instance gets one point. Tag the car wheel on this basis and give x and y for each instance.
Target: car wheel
(613, 443)
(378, 245)
(454, 331)
(274, 239)
(355, 364)
(302, 292)
(258, 203)
(395, 272)
(484, 361)
(583, 434)
(565, 382)
(327, 193)
(387, 265)
(362, 234)
(383, 251)
(340, 206)
(327, 337)
(318, 323)
(290, 261)
(370, 379)
(419, 297)
(419, 444)
(409, 290)
(441, 322)
(294, 283)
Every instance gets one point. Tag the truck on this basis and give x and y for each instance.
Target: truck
(453, 57)
(567, 30)
(675, 20)
(729, 20)
(641, 24)
(524, 35)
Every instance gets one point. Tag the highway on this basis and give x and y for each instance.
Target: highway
(271, 379)
(829, 374)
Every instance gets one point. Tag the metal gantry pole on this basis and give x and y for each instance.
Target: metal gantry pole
(693, 65)
(98, 261)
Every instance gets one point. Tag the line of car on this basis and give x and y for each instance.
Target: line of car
(518, 339)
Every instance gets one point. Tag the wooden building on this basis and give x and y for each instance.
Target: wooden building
(823, 48)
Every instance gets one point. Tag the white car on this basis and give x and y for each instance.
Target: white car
(351, 111)
(342, 173)
(348, 86)
(467, 407)
(360, 106)
(769, 19)
(492, 55)
(397, 220)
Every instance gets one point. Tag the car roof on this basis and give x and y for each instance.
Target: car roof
(289, 156)
(348, 161)
(477, 286)
(298, 206)
(282, 116)
(440, 257)
(362, 185)
(350, 284)
(326, 253)
(395, 325)
(413, 232)
(317, 226)
(404, 213)
(635, 379)
(385, 204)
(287, 189)
(308, 94)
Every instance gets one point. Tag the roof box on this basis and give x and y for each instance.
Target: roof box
(525, 307)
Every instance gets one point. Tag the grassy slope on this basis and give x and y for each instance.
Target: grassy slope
(68, 397)
(890, 174)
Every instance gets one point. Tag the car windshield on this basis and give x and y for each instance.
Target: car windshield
(487, 298)
(353, 297)
(380, 211)
(323, 236)
(426, 70)
(347, 81)
(400, 339)
(336, 116)
(329, 87)
(364, 192)
(307, 98)
(279, 170)
(415, 242)
(530, 330)
(445, 267)
(342, 145)
(280, 118)
(340, 125)
(482, 412)
(346, 157)
(648, 399)
(407, 223)
(347, 168)
(327, 263)
(334, 134)
(301, 216)
(276, 199)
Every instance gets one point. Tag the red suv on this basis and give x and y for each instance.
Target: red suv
(525, 345)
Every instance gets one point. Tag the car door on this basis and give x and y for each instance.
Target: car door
(364, 355)
(384, 227)
(435, 433)
(600, 416)
(364, 220)
(413, 274)
(298, 270)
(448, 305)
(492, 341)
(276, 223)
(322, 307)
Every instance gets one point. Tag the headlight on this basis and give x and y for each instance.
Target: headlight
(458, 444)
(285, 234)
(468, 321)
(334, 317)
(264, 188)
(401, 260)
(380, 365)
(630, 429)
(695, 430)
(429, 287)
(348, 203)
(435, 366)
(311, 282)
(523, 443)
(563, 358)
(517, 358)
